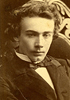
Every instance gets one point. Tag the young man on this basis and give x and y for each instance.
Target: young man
(32, 74)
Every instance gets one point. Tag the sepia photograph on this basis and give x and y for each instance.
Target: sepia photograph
(34, 50)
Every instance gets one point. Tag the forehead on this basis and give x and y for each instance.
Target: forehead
(37, 24)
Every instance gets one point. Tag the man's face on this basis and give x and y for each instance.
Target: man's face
(36, 37)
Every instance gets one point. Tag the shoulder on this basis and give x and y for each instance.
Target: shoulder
(61, 61)
(11, 67)
(65, 63)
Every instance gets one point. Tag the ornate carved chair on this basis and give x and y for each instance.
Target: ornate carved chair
(61, 46)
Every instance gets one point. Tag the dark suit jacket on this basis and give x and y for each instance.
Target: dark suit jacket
(19, 82)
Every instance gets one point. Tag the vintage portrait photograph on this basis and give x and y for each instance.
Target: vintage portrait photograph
(34, 50)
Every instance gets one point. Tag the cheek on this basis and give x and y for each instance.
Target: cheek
(48, 43)
(22, 43)
(27, 43)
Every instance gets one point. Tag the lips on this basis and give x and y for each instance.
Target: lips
(38, 53)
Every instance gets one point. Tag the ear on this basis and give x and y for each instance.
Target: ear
(16, 39)
(16, 42)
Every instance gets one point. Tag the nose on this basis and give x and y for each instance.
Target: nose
(39, 42)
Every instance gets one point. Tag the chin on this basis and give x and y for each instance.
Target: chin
(37, 59)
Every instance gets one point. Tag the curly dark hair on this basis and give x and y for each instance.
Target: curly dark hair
(32, 9)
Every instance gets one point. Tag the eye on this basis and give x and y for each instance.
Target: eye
(31, 34)
(47, 35)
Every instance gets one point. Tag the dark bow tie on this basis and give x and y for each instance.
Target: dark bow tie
(35, 66)
(43, 63)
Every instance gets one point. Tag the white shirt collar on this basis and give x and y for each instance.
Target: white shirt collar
(23, 57)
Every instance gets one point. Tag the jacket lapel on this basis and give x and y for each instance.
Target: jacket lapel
(28, 80)
(32, 82)
(40, 85)
(60, 79)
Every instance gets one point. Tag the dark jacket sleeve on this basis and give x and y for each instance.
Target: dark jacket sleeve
(5, 92)
(66, 64)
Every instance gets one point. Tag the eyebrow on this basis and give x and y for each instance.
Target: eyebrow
(38, 32)
(32, 31)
